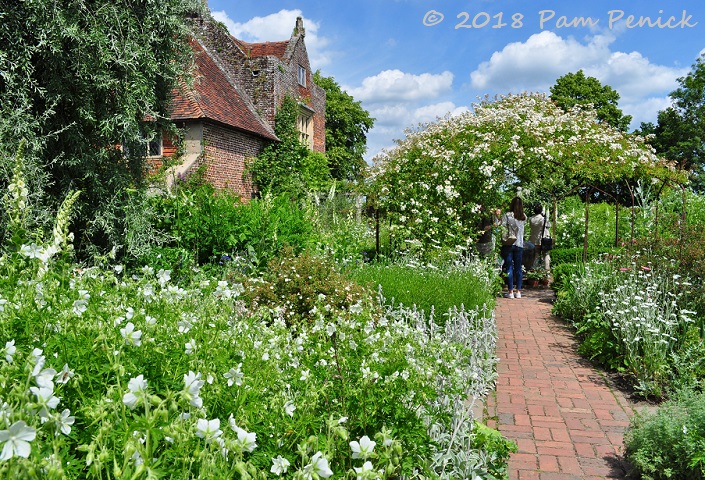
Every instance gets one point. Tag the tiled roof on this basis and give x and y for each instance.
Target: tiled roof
(264, 49)
(213, 97)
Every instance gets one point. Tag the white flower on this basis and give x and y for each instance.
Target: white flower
(319, 466)
(64, 375)
(366, 471)
(190, 346)
(234, 375)
(163, 276)
(289, 408)
(45, 378)
(362, 449)
(279, 465)
(45, 399)
(9, 351)
(66, 420)
(209, 430)
(131, 336)
(17, 440)
(246, 441)
(81, 304)
(192, 388)
(31, 251)
(304, 375)
(184, 326)
(137, 387)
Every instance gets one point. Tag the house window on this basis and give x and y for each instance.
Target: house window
(302, 76)
(304, 123)
(154, 147)
(148, 147)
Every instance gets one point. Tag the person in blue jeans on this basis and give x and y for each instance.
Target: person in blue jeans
(512, 224)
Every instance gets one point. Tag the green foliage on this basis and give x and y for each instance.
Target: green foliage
(562, 273)
(669, 443)
(428, 288)
(560, 256)
(345, 234)
(123, 60)
(636, 319)
(576, 89)
(491, 440)
(347, 124)
(213, 223)
(680, 130)
(288, 166)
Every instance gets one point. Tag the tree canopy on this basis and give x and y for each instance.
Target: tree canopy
(77, 80)
(680, 132)
(347, 124)
(433, 184)
(576, 89)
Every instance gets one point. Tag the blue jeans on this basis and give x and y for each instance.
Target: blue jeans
(513, 257)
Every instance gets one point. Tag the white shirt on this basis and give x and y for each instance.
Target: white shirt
(515, 227)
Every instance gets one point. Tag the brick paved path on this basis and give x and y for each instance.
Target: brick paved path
(563, 414)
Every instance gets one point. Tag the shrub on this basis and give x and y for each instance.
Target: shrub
(303, 288)
(212, 223)
(671, 442)
(575, 255)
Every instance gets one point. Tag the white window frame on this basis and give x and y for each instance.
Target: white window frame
(304, 124)
(302, 76)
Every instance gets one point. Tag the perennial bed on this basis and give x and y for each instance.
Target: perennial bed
(110, 375)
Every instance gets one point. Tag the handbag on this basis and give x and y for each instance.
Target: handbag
(546, 242)
(509, 235)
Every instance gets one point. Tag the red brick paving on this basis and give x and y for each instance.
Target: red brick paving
(566, 419)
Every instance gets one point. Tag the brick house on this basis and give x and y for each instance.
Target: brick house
(227, 115)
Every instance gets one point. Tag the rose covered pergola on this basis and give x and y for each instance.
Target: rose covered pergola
(432, 184)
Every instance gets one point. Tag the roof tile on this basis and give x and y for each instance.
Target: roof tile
(213, 97)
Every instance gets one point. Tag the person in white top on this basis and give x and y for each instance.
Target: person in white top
(513, 251)
(540, 227)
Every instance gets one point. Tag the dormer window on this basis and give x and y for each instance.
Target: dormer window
(302, 76)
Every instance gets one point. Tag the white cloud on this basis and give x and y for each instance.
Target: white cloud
(277, 27)
(536, 64)
(398, 86)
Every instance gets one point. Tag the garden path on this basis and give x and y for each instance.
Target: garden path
(567, 418)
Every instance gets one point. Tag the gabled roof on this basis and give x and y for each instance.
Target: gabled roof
(264, 49)
(214, 97)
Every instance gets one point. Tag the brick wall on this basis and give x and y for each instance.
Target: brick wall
(225, 153)
(287, 82)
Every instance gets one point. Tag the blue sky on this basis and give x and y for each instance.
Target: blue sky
(411, 61)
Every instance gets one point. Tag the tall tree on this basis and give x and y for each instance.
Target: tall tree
(577, 89)
(347, 124)
(680, 132)
(79, 78)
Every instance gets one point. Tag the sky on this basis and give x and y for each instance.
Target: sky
(412, 61)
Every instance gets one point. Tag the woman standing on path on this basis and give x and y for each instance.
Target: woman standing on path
(540, 227)
(512, 250)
